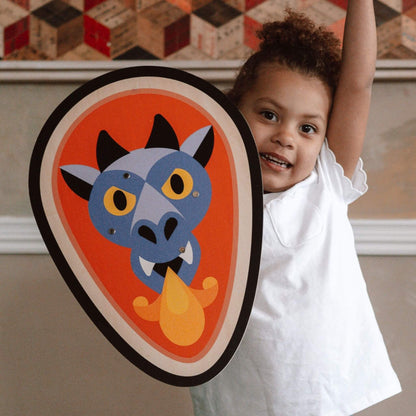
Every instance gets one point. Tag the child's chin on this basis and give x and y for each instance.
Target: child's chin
(271, 187)
(273, 190)
(274, 183)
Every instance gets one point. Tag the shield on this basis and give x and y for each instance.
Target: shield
(146, 187)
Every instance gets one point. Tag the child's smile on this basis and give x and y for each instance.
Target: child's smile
(275, 161)
(288, 114)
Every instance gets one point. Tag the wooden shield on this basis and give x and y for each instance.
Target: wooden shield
(146, 187)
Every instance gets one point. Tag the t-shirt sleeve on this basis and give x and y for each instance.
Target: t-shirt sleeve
(332, 174)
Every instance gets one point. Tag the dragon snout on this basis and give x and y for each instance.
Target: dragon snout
(168, 245)
(162, 241)
(154, 233)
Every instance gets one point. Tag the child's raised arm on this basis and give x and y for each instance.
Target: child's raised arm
(348, 120)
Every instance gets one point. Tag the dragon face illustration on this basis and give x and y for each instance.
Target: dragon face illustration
(149, 200)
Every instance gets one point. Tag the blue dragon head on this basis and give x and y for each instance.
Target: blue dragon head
(150, 199)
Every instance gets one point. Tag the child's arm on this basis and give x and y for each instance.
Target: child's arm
(348, 120)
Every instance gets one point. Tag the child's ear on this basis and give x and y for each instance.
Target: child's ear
(200, 144)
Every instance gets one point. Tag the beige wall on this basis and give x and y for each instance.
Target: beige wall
(53, 360)
(24, 108)
(390, 153)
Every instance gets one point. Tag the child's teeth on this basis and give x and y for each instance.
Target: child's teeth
(275, 160)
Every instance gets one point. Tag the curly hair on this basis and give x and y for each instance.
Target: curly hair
(296, 43)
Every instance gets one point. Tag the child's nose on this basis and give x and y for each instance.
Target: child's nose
(283, 136)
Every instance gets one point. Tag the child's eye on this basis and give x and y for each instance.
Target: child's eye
(269, 115)
(308, 129)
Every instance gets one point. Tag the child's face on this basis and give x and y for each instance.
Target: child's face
(288, 115)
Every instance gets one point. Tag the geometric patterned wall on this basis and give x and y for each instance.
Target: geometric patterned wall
(175, 29)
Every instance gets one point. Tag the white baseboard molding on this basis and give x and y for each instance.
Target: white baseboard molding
(20, 235)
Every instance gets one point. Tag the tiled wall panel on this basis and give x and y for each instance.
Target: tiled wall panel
(176, 29)
(14, 28)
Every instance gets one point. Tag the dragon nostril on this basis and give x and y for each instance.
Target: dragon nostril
(147, 233)
(170, 226)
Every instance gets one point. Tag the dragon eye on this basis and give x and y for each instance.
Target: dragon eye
(179, 184)
(119, 202)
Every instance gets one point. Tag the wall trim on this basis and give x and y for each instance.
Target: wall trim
(20, 235)
(218, 72)
(385, 237)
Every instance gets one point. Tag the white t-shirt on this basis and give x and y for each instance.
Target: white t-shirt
(312, 346)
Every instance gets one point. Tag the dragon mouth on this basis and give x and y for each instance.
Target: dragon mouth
(175, 264)
(162, 268)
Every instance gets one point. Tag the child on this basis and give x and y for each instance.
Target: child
(312, 345)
